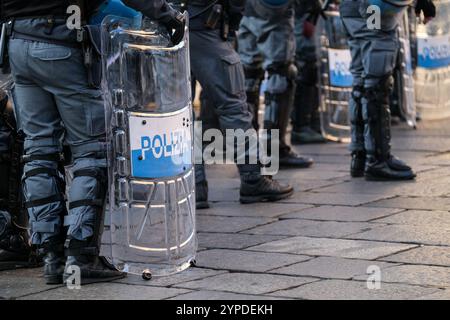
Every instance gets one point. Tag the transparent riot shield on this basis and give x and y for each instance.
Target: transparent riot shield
(403, 97)
(149, 116)
(432, 74)
(335, 78)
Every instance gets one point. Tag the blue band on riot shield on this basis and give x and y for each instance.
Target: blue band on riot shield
(433, 52)
(161, 147)
(115, 8)
(339, 67)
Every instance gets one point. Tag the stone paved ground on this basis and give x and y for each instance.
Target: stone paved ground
(317, 244)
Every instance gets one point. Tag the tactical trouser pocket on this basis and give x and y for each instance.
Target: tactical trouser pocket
(234, 72)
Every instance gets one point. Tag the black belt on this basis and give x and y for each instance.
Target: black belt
(22, 36)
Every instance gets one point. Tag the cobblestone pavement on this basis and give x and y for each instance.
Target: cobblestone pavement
(318, 244)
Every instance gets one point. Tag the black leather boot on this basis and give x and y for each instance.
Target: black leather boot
(263, 189)
(201, 195)
(52, 252)
(93, 269)
(381, 165)
(15, 252)
(289, 158)
(277, 114)
(358, 164)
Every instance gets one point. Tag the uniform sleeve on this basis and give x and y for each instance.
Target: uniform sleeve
(154, 9)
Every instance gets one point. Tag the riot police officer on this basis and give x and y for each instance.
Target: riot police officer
(15, 252)
(54, 95)
(305, 114)
(217, 67)
(266, 42)
(374, 50)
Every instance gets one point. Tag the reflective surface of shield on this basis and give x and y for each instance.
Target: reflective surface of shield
(433, 65)
(150, 148)
(335, 77)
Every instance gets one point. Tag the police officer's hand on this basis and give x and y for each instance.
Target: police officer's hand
(428, 9)
(175, 25)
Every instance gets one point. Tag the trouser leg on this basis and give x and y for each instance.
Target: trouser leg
(220, 72)
(42, 181)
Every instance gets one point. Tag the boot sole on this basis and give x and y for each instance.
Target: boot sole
(370, 177)
(53, 280)
(264, 198)
(358, 174)
(85, 280)
(298, 143)
(297, 166)
(202, 205)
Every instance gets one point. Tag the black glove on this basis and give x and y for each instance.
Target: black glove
(427, 7)
(175, 25)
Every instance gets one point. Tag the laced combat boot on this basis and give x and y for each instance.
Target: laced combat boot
(263, 188)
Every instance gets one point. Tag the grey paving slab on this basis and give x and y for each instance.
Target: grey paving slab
(443, 294)
(408, 188)
(439, 173)
(332, 159)
(18, 283)
(354, 290)
(421, 143)
(298, 227)
(228, 224)
(233, 240)
(334, 198)
(268, 210)
(430, 255)
(331, 268)
(218, 195)
(302, 185)
(108, 291)
(416, 274)
(416, 203)
(218, 295)
(187, 275)
(247, 283)
(239, 260)
(441, 159)
(357, 249)
(341, 213)
(311, 174)
(419, 217)
(423, 234)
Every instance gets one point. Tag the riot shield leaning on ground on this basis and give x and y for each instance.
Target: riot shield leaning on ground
(403, 100)
(149, 119)
(335, 79)
(432, 75)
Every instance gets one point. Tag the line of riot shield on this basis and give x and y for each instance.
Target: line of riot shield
(403, 100)
(335, 79)
(149, 119)
(432, 74)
